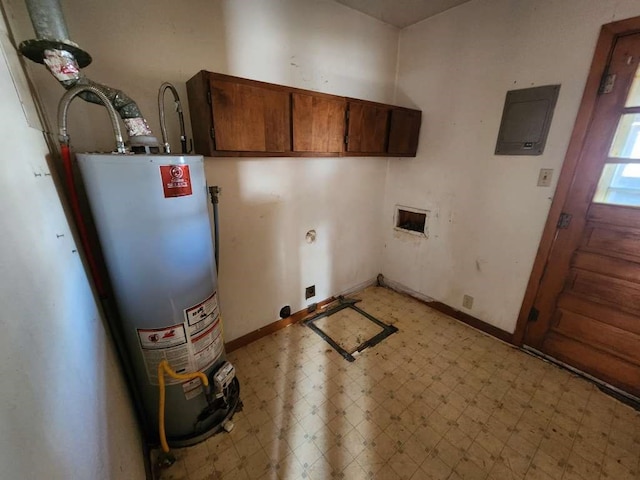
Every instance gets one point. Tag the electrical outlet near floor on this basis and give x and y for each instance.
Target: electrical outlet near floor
(467, 301)
(310, 292)
(544, 177)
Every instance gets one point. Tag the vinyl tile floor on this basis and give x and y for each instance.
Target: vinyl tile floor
(436, 400)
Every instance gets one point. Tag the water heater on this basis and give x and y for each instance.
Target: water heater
(152, 217)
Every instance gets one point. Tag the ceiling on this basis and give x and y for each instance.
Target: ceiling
(401, 13)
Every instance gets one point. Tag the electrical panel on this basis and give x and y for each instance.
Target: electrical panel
(526, 119)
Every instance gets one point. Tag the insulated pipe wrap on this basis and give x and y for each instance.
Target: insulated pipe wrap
(123, 104)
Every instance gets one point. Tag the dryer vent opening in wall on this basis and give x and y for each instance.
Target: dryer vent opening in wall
(412, 220)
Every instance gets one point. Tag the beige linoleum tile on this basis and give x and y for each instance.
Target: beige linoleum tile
(436, 400)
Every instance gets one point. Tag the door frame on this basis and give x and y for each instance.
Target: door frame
(609, 33)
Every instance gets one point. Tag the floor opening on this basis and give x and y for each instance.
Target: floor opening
(348, 328)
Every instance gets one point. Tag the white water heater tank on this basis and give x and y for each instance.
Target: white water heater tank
(152, 217)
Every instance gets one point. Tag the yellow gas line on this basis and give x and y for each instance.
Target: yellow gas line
(163, 367)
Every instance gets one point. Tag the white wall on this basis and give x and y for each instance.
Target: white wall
(64, 411)
(267, 205)
(487, 214)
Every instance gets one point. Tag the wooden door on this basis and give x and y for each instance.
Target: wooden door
(404, 131)
(250, 116)
(586, 311)
(318, 123)
(368, 127)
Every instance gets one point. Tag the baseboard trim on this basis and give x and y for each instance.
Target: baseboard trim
(398, 287)
(295, 318)
(357, 288)
(452, 312)
(472, 321)
(272, 327)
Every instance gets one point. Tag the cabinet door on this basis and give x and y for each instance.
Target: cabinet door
(250, 117)
(318, 123)
(368, 126)
(404, 131)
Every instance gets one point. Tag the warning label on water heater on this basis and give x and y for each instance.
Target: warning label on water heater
(202, 315)
(168, 343)
(176, 180)
(208, 346)
(205, 331)
(194, 345)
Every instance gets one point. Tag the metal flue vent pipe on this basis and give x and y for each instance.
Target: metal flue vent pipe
(64, 59)
(51, 32)
(48, 20)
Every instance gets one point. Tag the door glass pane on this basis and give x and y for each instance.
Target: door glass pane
(633, 100)
(619, 184)
(626, 143)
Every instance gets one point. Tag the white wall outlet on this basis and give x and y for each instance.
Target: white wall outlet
(467, 301)
(544, 177)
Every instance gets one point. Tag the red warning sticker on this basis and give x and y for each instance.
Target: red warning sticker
(176, 180)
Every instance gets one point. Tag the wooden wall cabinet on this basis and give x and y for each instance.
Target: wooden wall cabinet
(233, 116)
(318, 123)
(404, 130)
(249, 118)
(368, 127)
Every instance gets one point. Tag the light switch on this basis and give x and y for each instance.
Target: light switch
(544, 177)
